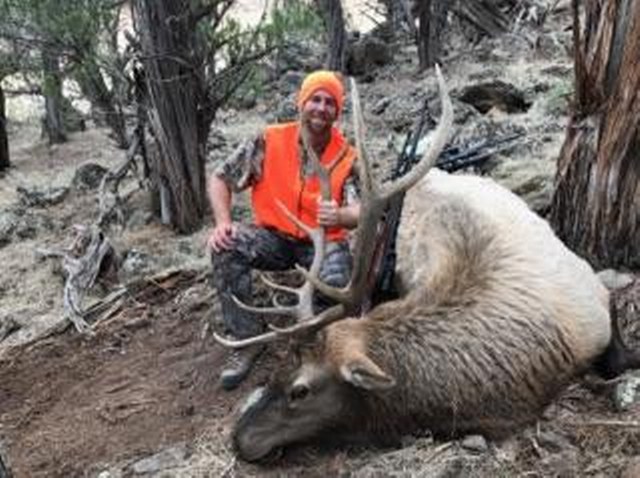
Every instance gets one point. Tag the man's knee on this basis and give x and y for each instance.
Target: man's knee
(232, 274)
(336, 270)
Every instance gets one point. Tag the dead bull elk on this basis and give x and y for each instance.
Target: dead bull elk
(497, 315)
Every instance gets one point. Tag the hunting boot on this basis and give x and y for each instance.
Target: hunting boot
(238, 365)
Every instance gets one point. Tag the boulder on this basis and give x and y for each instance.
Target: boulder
(88, 176)
(366, 53)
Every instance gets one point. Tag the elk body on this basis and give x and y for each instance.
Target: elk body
(496, 315)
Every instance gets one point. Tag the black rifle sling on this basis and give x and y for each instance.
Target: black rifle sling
(381, 277)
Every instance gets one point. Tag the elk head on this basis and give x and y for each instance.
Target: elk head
(325, 392)
(313, 400)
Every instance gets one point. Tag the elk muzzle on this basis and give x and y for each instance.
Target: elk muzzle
(253, 437)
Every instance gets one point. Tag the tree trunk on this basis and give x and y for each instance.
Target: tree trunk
(485, 15)
(332, 14)
(53, 122)
(432, 16)
(96, 90)
(167, 40)
(396, 16)
(5, 472)
(4, 139)
(595, 207)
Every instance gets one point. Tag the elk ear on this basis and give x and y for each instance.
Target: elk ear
(364, 373)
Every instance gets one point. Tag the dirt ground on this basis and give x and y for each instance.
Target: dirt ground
(140, 397)
(75, 406)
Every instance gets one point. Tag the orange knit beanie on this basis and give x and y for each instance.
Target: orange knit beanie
(323, 79)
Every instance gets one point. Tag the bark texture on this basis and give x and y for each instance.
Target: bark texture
(432, 16)
(487, 16)
(167, 38)
(596, 204)
(333, 16)
(4, 140)
(53, 100)
(95, 88)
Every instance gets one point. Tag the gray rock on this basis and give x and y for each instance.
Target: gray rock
(302, 55)
(290, 82)
(8, 224)
(136, 262)
(561, 464)
(19, 223)
(45, 198)
(162, 461)
(186, 246)
(495, 94)
(625, 393)
(110, 474)
(475, 443)
(613, 279)
(366, 53)
(8, 325)
(216, 139)
(26, 230)
(286, 110)
(381, 105)
(139, 219)
(88, 176)
(553, 442)
(247, 101)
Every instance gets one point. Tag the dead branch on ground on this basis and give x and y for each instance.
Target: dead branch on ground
(89, 255)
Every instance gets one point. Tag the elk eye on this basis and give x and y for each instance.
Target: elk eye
(298, 392)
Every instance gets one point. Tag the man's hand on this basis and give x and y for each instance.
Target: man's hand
(221, 237)
(328, 213)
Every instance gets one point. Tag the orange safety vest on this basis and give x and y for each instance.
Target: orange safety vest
(282, 180)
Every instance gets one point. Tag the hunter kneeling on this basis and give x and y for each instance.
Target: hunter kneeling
(277, 166)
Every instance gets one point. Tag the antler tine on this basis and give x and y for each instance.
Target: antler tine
(318, 169)
(364, 172)
(438, 142)
(276, 286)
(242, 343)
(305, 293)
(265, 310)
(332, 314)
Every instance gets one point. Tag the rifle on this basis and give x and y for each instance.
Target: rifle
(380, 287)
(453, 158)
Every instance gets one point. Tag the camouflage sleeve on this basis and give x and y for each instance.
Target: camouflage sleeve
(244, 167)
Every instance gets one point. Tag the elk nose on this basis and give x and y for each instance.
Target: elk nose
(254, 451)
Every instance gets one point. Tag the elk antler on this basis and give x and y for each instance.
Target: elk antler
(303, 310)
(304, 307)
(374, 199)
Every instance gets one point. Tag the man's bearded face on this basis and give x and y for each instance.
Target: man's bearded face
(319, 112)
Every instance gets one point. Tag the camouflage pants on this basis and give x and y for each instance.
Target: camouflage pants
(265, 249)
